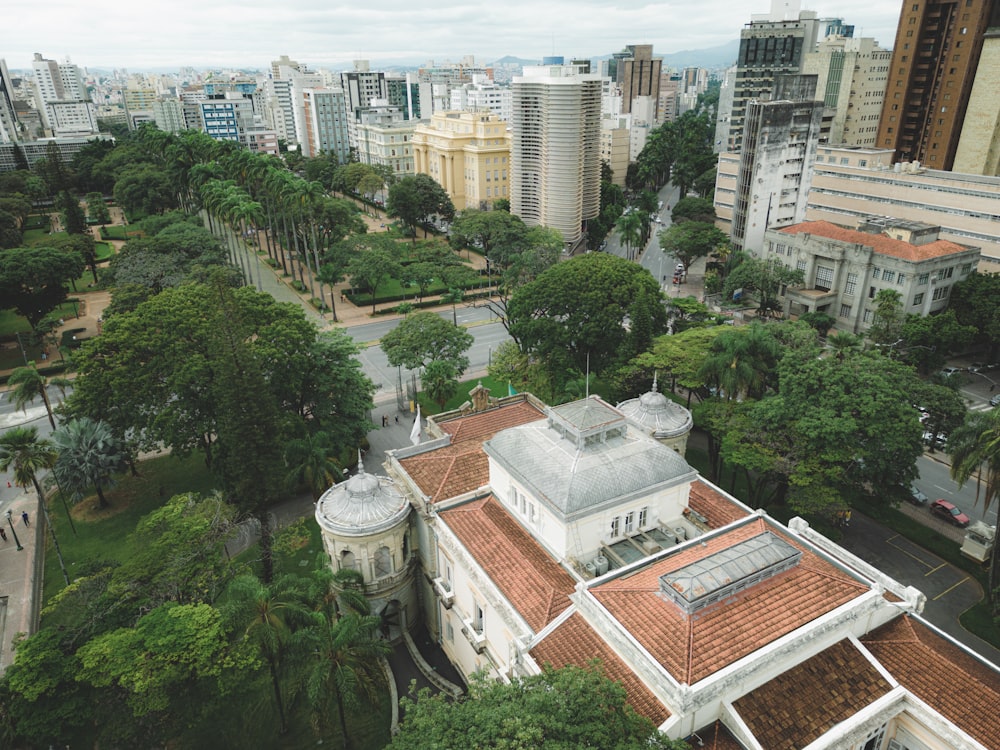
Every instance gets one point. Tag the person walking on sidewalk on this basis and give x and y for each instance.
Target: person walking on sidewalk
(24, 517)
(3, 534)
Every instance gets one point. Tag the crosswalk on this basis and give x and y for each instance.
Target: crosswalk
(981, 407)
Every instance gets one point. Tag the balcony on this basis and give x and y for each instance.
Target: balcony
(477, 638)
(444, 592)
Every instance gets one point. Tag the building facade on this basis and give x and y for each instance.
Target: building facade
(482, 94)
(979, 145)
(385, 137)
(849, 184)
(468, 154)
(845, 269)
(559, 535)
(934, 62)
(555, 148)
(851, 78)
(775, 166)
(324, 117)
(639, 76)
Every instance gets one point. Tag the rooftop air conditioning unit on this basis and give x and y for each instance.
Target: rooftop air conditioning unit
(681, 533)
(601, 563)
(591, 569)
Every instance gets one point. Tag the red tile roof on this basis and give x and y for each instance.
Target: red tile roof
(575, 642)
(691, 647)
(534, 584)
(960, 687)
(716, 737)
(880, 243)
(802, 704)
(462, 466)
(716, 507)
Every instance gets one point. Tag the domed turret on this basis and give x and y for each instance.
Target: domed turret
(656, 415)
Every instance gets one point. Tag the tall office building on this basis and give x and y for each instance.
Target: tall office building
(62, 98)
(776, 163)
(555, 148)
(9, 127)
(361, 86)
(934, 62)
(851, 77)
(639, 75)
(324, 115)
(979, 144)
(771, 45)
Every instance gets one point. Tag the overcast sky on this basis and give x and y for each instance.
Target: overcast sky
(330, 33)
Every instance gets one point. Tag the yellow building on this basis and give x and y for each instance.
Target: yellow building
(468, 153)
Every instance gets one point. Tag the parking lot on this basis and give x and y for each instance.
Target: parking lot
(949, 590)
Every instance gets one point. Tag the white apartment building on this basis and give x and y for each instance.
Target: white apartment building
(852, 75)
(10, 129)
(168, 114)
(846, 268)
(525, 535)
(62, 98)
(361, 86)
(555, 148)
(483, 95)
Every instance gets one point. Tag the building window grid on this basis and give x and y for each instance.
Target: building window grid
(851, 285)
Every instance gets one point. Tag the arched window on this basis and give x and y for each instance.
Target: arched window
(383, 562)
(347, 561)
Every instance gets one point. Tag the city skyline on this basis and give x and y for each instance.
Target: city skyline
(249, 35)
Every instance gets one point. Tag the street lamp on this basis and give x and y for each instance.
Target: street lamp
(16, 540)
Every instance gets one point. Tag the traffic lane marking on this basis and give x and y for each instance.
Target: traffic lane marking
(950, 588)
(906, 543)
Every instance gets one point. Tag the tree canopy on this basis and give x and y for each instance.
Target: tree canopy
(582, 307)
(559, 709)
(33, 279)
(424, 337)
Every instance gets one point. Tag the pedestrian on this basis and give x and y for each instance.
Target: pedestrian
(8, 484)
(24, 517)
(385, 421)
(397, 419)
(3, 534)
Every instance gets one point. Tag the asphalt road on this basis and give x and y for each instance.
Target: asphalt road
(935, 481)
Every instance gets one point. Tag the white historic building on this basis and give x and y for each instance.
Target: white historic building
(559, 535)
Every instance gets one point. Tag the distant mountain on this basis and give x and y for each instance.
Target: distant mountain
(511, 60)
(713, 57)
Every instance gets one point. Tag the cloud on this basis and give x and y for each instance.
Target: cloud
(174, 33)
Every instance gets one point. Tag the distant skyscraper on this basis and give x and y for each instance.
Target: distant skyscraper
(934, 62)
(361, 86)
(62, 98)
(639, 75)
(9, 129)
(771, 45)
(555, 148)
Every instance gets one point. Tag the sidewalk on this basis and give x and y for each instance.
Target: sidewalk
(20, 571)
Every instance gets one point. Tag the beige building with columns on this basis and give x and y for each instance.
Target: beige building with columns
(468, 153)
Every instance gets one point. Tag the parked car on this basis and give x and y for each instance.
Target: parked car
(949, 371)
(915, 496)
(938, 441)
(995, 401)
(949, 513)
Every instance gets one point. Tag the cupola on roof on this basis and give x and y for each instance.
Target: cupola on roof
(362, 505)
(657, 415)
(583, 456)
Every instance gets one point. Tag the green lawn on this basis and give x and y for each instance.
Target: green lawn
(104, 251)
(103, 536)
(41, 236)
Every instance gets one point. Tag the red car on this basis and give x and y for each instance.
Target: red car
(949, 512)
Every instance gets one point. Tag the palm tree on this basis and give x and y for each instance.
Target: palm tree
(347, 666)
(29, 383)
(269, 616)
(88, 456)
(843, 344)
(741, 361)
(975, 453)
(629, 226)
(312, 461)
(21, 450)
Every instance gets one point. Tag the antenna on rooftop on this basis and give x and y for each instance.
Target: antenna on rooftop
(587, 379)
